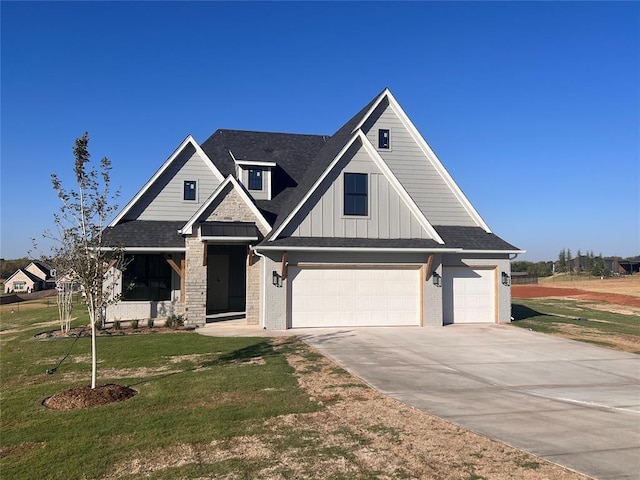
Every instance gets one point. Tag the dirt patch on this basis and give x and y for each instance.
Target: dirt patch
(544, 291)
(618, 341)
(85, 397)
(358, 433)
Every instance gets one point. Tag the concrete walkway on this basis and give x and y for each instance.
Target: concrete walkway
(574, 404)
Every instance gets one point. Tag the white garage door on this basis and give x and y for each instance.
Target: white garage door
(347, 297)
(468, 295)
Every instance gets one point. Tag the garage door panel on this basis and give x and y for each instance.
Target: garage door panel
(322, 297)
(469, 295)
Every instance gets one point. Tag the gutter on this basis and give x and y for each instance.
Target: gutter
(144, 249)
(356, 249)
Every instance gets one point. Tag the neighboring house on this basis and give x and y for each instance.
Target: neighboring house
(32, 278)
(364, 227)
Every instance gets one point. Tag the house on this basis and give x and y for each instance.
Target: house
(35, 276)
(360, 228)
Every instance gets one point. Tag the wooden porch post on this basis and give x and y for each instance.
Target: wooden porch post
(180, 271)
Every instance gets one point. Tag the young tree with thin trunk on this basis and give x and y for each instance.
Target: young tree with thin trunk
(77, 251)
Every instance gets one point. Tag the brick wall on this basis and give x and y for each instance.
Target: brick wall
(432, 305)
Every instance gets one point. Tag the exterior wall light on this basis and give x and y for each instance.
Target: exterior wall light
(506, 279)
(276, 279)
(437, 279)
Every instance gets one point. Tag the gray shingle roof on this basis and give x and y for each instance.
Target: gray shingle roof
(471, 238)
(292, 153)
(467, 238)
(145, 233)
(300, 161)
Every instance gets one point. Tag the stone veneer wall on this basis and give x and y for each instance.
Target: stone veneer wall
(231, 207)
(254, 295)
(196, 283)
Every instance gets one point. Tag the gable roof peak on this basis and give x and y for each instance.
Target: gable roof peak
(203, 156)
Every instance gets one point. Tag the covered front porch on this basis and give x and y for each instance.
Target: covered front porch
(218, 283)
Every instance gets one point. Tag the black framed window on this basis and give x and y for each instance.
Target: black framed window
(383, 138)
(255, 179)
(147, 277)
(356, 188)
(189, 190)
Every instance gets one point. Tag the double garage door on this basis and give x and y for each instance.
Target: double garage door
(364, 296)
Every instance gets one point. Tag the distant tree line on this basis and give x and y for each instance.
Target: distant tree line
(588, 263)
(580, 264)
(538, 269)
(8, 267)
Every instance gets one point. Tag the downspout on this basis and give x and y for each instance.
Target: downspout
(263, 286)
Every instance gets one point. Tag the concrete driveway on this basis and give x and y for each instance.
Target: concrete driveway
(574, 404)
(571, 403)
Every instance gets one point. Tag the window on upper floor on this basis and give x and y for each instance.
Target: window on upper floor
(189, 190)
(255, 179)
(383, 138)
(356, 187)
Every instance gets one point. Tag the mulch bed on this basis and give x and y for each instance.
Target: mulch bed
(110, 332)
(539, 291)
(86, 397)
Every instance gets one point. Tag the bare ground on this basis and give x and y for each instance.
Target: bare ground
(623, 285)
(368, 434)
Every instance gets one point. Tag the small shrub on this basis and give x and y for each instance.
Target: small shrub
(174, 321)
(150, 322)
(134, 324)
(117, 325)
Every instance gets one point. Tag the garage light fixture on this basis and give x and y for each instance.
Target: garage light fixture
(437, 279)
(506, 279)
(276, 279)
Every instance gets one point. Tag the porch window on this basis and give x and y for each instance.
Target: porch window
(147, 277)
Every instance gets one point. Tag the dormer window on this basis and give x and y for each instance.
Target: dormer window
(383, 139)
(189, 190)
(255, 179)
(255, 175)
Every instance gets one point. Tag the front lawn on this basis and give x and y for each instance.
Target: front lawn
(192, 389)
(233, 408)
(579, 320)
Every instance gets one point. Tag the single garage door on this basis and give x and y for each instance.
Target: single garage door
(354, 297)
(468, 295)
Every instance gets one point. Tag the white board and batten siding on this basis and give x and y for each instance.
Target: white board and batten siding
(415, 171)
(388, 214)
(355, 297)
(469, 295)
(164, 200)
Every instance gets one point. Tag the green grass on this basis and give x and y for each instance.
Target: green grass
(554, 315)
(194, 390)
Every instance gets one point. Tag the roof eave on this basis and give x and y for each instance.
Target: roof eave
(356, 249)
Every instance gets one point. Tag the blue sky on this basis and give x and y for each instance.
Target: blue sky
(534, 108)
